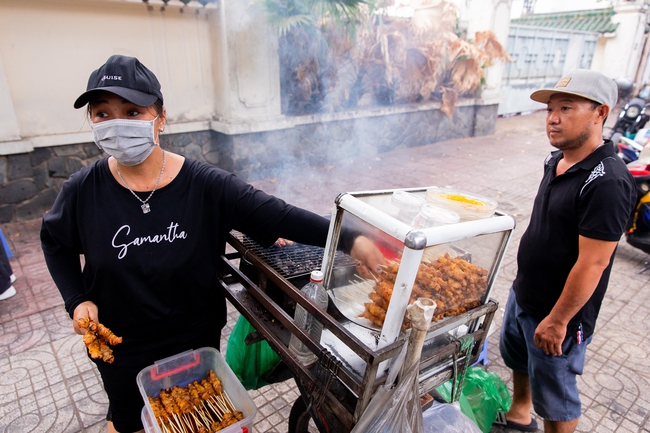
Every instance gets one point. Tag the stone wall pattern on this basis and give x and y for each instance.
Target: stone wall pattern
(29, 182)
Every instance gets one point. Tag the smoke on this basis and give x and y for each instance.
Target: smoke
(359, 81)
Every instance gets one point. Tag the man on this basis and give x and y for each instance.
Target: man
(565, 256)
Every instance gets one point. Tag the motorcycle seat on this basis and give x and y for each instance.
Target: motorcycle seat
(640, 241)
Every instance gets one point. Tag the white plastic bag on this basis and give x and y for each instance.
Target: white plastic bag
(394, 409)
(447, 418)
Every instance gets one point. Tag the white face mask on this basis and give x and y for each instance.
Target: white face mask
(128, 141)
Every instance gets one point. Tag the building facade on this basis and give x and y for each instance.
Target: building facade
(218, 65)
(606, 36)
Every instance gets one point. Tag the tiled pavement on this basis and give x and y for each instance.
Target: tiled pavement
(47, 383)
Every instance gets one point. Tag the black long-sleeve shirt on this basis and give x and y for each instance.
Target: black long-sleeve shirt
(150, 273)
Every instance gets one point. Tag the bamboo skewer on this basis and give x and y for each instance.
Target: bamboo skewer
(164, 426)
(220, 405)
(196, 419)
(186, 420)
(178, 421)
(231, 405)
(200, 407)
(174, 427)
(205, 415)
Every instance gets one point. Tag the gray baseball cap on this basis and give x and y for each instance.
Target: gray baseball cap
(590, 85)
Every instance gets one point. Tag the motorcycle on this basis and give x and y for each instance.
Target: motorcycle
(639, 122)
(638, 233)
(629, 150)
(627, 119)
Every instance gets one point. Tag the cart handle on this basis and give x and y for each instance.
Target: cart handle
(195, 360)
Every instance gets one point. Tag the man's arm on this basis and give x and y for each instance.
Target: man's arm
(593, 257)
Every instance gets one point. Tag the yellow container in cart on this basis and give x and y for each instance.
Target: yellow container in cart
(185, 368)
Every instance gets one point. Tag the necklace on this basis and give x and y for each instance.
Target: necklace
(601, 143)
(145, 206)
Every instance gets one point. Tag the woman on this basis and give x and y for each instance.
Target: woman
(151, 226)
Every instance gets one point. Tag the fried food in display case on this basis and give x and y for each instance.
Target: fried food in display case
(453, 261)
(454, 284)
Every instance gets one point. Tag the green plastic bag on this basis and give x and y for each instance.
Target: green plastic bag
(445, 391)
(483, 395)
(249, 363)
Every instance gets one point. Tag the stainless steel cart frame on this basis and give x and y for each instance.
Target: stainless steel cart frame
(352, 360)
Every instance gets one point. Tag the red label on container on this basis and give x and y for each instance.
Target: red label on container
(157, 376)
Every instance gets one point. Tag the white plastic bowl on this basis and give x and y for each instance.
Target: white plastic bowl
(468, 206)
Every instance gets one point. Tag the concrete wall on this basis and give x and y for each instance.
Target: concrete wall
(619, 54)
(542, 56)
(219, 71)
(622, 54)
(49, 48)
(30, 181)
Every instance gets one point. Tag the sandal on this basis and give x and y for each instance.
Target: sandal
(503, 422)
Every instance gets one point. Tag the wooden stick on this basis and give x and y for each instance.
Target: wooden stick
(219, 404)
(232, 406)
(187, 421)
(207, 418)
(205, 411)
(175, 428)
(216, 411)
(180, 426)
(164, 427)
(214, 404)
(222, 405)
(197, 421)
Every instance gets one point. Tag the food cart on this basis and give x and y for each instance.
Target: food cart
(452, 261)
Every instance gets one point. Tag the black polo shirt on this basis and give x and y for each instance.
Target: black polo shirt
(594, 198)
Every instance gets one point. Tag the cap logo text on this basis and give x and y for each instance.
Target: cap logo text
(563, 82)
(112, 77)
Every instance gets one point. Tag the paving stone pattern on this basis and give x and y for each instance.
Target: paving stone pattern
(47, 384)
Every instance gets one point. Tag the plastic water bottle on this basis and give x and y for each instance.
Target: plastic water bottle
(315, 291)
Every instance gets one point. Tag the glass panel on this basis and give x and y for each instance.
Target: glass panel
(350, 286)
(457, 275)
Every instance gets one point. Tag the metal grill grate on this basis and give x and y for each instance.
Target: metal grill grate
(292, 260)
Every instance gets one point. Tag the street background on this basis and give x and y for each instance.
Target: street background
(48, 384)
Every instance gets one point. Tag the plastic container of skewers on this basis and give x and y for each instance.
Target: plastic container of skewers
(194, 392)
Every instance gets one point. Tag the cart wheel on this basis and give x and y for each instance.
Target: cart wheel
(300, 420)
(299, 417)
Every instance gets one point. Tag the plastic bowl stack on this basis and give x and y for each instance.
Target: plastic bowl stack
(409, 205)
(432, 215)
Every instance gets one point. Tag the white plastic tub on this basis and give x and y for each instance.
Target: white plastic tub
(187, 367)
(468, 206)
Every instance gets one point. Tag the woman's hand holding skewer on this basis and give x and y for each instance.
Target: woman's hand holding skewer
(85, 310)
(367, 256)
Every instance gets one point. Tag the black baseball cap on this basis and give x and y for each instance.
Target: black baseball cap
(125, 77)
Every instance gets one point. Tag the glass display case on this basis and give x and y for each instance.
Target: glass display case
(436, 243)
